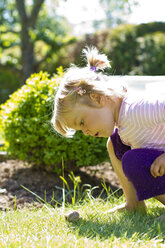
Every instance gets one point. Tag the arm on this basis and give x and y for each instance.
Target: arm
(158, 166)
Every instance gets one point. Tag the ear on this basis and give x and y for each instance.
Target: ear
(98, 99)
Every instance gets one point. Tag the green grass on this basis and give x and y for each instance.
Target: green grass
(47, 227)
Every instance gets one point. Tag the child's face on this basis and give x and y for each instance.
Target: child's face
(97, 122)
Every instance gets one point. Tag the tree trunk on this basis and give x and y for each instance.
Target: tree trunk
(27, 46)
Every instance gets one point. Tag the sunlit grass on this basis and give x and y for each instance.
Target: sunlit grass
(47, 227)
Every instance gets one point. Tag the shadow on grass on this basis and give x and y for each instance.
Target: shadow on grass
(123, 225)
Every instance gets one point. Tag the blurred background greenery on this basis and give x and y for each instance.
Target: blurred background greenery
(37, 35)
(49, 35)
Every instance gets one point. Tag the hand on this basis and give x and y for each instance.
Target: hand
(138, 207)
(158, 166)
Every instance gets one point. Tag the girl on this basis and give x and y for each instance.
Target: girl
(96, 104)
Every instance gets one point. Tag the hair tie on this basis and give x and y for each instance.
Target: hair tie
(93, 68)
(79, 91)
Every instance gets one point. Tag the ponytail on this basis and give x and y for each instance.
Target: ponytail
(95, 60)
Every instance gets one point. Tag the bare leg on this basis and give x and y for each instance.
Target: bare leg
(131, 199)
(161, 198)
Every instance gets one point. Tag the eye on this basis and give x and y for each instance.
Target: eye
(82, 123)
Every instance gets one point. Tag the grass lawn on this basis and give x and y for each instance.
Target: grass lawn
(47, 227)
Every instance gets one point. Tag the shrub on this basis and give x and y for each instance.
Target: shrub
(133, 49)
(9, 82)
(25, 120)
(123, 50)
(138, 49)
(151, 54)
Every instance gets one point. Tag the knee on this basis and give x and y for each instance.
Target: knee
(129, 161)
(132, 157)
(126, 158)
(133, 162)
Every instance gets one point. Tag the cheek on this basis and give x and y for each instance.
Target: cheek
(108, 117)
(112, 120)
(110, 123)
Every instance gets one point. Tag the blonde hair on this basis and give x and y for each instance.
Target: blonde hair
(92, 82)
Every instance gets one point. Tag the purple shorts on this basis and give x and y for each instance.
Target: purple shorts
(136, 165)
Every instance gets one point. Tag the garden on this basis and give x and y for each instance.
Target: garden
(46, 178)
(54, 191)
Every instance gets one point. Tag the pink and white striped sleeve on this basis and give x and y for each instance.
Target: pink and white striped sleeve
(148, 113)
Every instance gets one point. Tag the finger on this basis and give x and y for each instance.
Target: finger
(152, 170)
(161, 171)
(117, 208)
(155, 170)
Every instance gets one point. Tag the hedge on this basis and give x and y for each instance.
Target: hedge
(25, 122)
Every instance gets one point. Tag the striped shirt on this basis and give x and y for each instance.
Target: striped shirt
(141, 123)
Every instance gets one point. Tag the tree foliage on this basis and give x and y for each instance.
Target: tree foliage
(132, 49)
(115, 12)
(25, 26)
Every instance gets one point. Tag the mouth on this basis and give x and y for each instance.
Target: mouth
(96, 134)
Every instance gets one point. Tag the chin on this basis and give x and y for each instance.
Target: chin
(109, 134)
(104, 136)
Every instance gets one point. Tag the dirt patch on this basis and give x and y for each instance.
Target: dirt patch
(48, 186)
